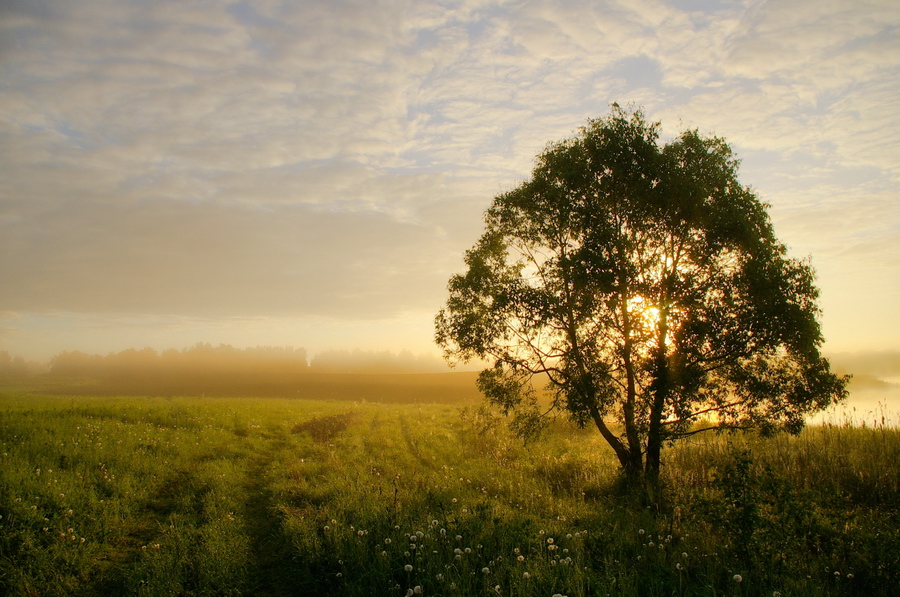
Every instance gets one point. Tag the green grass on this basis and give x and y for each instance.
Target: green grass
(191, 496)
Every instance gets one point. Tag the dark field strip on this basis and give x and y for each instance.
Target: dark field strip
(410, 388)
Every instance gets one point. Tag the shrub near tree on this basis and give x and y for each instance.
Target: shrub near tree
(647, 284)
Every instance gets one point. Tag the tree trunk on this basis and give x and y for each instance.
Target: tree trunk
(661, 386)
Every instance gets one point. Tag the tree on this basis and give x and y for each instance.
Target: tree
(647, 285)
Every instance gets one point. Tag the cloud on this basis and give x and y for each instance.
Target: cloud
(332, 159)
(179, 258)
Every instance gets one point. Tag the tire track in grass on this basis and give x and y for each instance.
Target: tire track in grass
(273, 570)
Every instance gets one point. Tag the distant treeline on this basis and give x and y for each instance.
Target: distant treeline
(16, 367)
(223, 370)
(360, 361)
(200, 360)
(205, 359)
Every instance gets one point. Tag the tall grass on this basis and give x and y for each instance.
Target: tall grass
(189, 496)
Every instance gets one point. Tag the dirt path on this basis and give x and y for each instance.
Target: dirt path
(273, 570)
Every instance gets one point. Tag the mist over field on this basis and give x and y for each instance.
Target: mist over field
(223, 370)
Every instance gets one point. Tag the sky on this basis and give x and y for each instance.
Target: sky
(310, 173)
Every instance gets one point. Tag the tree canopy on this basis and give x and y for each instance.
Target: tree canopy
(645, 282)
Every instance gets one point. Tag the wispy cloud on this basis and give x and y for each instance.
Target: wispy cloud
(332, 159)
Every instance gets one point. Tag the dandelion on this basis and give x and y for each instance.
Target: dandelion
(550, 540)
(485, 570)
(640, 531)
(468, 550)
(521, 558)
(526, 576)
(408, 568)
(737, 578)
(387, 541)
(497, 589)
(679, 566)
(326, 528)
(417, 590)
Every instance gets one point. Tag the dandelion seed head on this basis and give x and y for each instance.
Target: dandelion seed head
(737, 578)
(408, 568)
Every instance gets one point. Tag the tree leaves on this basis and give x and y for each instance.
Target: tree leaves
(648, 284)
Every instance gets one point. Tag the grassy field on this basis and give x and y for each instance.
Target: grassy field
(265, 496)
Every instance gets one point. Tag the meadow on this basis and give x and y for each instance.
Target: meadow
(105, 495)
